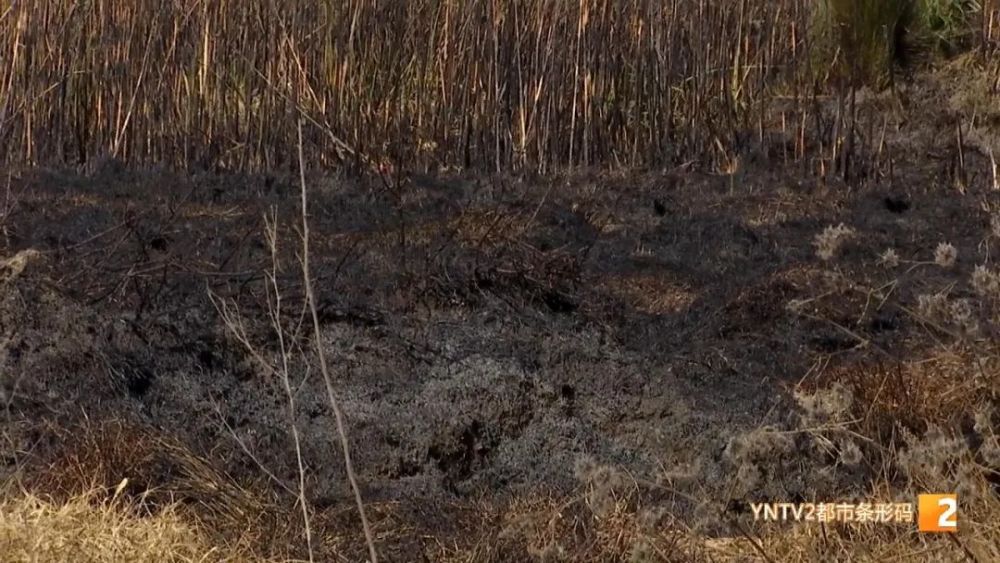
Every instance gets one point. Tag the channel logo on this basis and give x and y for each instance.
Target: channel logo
(937, 513)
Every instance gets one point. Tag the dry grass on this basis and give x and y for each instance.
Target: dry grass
(608, 521)
(87, 529)
(486, 83)
(385, 85)
(611, 517)
(437, 83)
(811, 542)
(150, 474)
(651, 294)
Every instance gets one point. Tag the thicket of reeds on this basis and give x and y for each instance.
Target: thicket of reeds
(490, 84)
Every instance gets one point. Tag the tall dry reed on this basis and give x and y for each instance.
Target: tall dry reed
(464, 83)
(491, 84)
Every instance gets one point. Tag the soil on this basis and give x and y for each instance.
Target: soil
(484, 334)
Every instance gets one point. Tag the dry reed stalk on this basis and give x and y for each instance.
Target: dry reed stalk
(494, 84)
(324, 369)
(274, 310)
(234, 323)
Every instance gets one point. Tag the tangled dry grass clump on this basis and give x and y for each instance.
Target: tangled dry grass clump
(607, 519)
(87, 530)
(114, 491)
(831, 239)
(125, 472)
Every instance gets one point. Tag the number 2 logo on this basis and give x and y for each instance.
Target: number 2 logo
(937, 513)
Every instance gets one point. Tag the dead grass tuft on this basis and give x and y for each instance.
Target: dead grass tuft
(914, 393)
(554, 529)
(651, 294)
(156, 474)
(90, 528)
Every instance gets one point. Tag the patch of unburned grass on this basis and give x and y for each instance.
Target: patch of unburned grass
(147, 475)
(87, 529)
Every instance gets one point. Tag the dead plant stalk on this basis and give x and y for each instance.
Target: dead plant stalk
(275, 312)
(324, 369)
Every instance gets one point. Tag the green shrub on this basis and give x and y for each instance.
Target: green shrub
(865, 41)
(944, 25)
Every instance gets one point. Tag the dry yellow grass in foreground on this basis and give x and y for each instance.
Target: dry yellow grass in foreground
(84, 529)
(601, 524)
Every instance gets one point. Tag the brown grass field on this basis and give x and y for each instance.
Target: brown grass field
(484, 280)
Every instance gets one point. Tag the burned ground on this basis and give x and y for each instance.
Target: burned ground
(488, 335)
